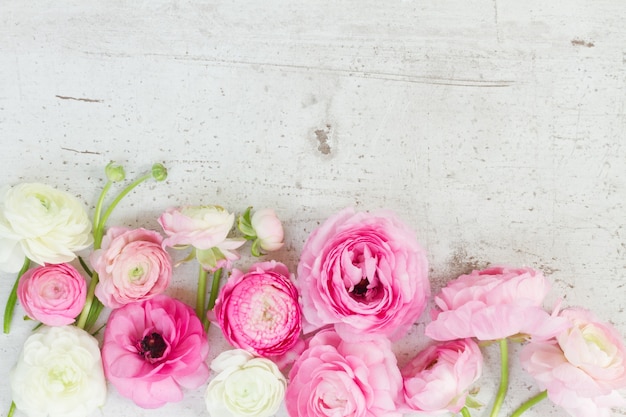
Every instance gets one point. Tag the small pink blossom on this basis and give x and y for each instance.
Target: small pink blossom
(258, 311)
(438, 379)
(132, 266)
(153, 349)
(268, 228)
(492, 304)
(206, 229)
(582, 368)
(363, 273)
(337, 378)
(52, 294)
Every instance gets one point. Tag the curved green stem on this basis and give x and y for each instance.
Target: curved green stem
(98, 212)
(215, 287)
(89, 301)
(99, 231)
(11, 410)
(8, 309)
(201, 294)
(504, 378)
(465, 412)
(529, 403)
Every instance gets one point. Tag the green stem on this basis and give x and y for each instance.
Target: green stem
(89, 301)
(8, 309)
(11, 410)
(96, 216)
(504, 378)
(529, 403)
(99, 231)
(465, 412)
(201, 294)
(215, 287)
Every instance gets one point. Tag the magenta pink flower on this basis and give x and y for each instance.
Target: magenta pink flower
(336, 378)
(583, 368)
(153, 349)
(52, 294)
(258, 311)
(492, 304)
(438, 379)
(365, 273)
(132, 266)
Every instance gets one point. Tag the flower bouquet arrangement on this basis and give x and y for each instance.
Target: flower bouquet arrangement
(318, 338)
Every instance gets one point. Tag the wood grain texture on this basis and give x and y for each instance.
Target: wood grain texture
(494, 128)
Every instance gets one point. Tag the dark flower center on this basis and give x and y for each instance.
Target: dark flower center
(360, 289)
(152, 346)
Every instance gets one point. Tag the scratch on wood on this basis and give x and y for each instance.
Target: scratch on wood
(580, 42)
(77, 151)
(86, 100)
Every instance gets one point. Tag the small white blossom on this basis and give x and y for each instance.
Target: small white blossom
(59, 374)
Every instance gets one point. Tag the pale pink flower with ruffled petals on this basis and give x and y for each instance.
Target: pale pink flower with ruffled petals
(52, 294)
(492, 304)
(438, 379)
(365, 274)
(258, 311)
(153, 349)
(583, 368)
(337, 378)
(268, 228)
(206, 229)
(132, 266)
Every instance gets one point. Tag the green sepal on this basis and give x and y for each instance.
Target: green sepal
(244, 224)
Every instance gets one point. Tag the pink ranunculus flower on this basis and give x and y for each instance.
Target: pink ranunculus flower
(583, 368)
(338, 378)
(206, 229)
(365, 273)
(438, 379)
(52, 294)
(492, 304)
(153, 349)
(258, 311)
(268, 228)
(132, 266)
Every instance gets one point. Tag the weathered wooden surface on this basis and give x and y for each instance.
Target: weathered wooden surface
(494, 128)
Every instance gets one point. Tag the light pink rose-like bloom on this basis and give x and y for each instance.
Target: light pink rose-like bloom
(336, 378)
(268, 228)
(492, 304)
(582, 368)
(153, 349)
(258, 311)
(131, 265)
(205, 228)
(438, 379)
(52, 294)
(364, 273)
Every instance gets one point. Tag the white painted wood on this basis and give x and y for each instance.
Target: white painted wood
(494, 128)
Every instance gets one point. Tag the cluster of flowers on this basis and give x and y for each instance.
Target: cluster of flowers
(319, 340)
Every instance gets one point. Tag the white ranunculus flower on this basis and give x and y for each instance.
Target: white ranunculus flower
(59, 374)
(41, 223)
(245, 386)
(268, 228)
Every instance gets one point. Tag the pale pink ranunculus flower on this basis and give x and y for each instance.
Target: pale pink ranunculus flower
(268, 228)
(131, 265)
(337, 378)
(492, 304)
(153, 349)
(52, 294)
(365, 274)
(206, 229)
(583, 368)
(438, 379)
(258, 311)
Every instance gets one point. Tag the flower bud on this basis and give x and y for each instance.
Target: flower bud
(159, 172)
(115, 172)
